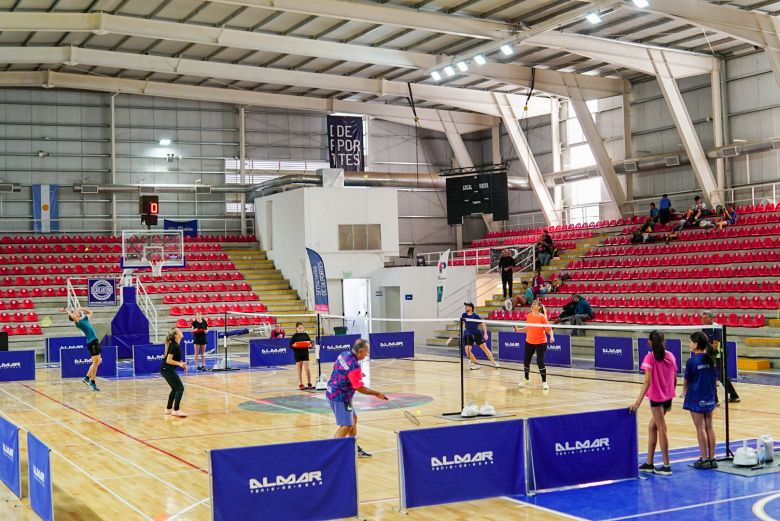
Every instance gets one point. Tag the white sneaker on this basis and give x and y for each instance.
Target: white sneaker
(496, 365)
(470, 411)
(545, 387)
(179, 414)
(168, 412)
(523, 383)
(475, 367)
(487, 410)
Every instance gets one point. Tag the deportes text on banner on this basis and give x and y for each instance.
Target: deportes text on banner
(39, 478)
(17, 365)
(345, 143)
(614, 352)
(75, 362)
(392, 345)
(148, 358)
(46, 208)
(190, 228)
(673, 345)
(574, 449)
(461, 463)
(188, 341)
(55, 344)
(441, 277)
(319, 281)
(333, 345)
(10, 463)
(101, 292)
(305, 481)
(270, 352)
(511, 347)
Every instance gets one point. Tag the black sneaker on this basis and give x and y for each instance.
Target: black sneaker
(713, 464)
(362, 453)
(734, 399)
(646, 467)
(702, 464)
(664, 470)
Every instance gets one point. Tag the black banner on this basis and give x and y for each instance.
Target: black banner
(345, 143)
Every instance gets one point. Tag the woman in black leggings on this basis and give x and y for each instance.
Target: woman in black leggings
(536, 342)
(172, 360)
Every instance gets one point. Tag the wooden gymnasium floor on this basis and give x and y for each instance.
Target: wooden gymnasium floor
(157, 465)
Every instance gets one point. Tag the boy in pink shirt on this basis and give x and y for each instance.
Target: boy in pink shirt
(660, 369)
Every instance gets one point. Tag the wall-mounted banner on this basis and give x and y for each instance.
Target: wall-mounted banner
(319, 281)
(461, 463)
(10, 463)
(187, 341)
(511, 346)
(345, 143)
(39, 478)
(17, 365)
(477, 351)
(46, 208)
(441, 276)
(56, 343)
(306, 481)
(75, 362)
(332, 346)
(673, 345)
(614, 352)
(101, 292)
(148, 358)
(190, 228)
(574, 449)
(270, 352)
(392, 345)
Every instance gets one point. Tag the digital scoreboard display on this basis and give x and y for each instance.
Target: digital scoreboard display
(149, 207)
(477, 194)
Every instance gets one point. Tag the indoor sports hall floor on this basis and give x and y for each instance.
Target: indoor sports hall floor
(155, 467)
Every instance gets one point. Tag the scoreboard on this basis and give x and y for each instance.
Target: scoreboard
(149, 208)
(483, 193)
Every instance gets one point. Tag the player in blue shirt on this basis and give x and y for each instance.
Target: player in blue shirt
(475, 333)
(80, 317)
(699, 391)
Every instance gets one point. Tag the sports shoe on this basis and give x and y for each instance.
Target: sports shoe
(663, 470)
(309, 386)
(179, 414)
(86, 380)
(523, 383)
(702, 464)
(469, 411)
(735, 399)
(545, 386)
(646, 467)
(301, 387)
(168, 412)
(362, 453)
(496, 365)
(713, 464)
(475, 367)
(487, 410)
(93, 386)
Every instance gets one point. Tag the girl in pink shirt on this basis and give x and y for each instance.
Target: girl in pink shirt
(660, 369)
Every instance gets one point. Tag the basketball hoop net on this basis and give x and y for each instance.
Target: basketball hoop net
(156, 263)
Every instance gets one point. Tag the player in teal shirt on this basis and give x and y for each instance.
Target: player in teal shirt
(80, 317)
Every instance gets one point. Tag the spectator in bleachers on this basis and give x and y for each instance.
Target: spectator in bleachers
(278, 331)
(728, 217)
(582, 313)
(664, 209)
(526, 298)
(642, 235)
(653, 212)
(543, 253)
(536, 283)
(507, 266)
(566, 313)
(694, 214)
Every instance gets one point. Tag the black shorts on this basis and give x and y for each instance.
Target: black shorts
(199, 339)
(667, 405)
(301, 355)
(94, 348)
(473, 339)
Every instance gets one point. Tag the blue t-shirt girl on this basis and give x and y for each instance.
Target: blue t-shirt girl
(699, 390)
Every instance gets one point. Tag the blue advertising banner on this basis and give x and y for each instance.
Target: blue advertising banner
(101, 292)
(305, 481)
(673, 345)
(270, 352)
(56, 343)
(39, 478)
(319, 281)
(190, 228)
(189, 346)
(559, 352)
(461, 463)
(148, 358)
(345, 143)
(731, 363)
(574, 449)
(332, 346)
(10, 463)
(17, 365)
(614, 352)
(392, 345)
(478, 353)
(511, 346)
(75, 362)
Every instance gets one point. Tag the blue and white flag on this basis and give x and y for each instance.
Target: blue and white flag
(319, 281)
(46, 211)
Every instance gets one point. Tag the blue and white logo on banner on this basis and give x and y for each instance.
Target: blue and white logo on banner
(190, 228)
(17, 365)
(332, 346)
(392, 345)
(188, 341)
(559, 352)
(305, 481)
(270, 352)
(614, 352)
(477, 351)
(10, 463)
(673, 345)
(319, 281)
(56, 343)
(575, 449)
(101, 292)
(46, 211)
(147, 358)
(75, 362)
(39, 478)
(461, 463)
(511, 346)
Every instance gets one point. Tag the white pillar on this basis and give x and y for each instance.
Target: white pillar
(242, 162)
(717, 125)
(115, 224)
(628, 150)
(495, 143)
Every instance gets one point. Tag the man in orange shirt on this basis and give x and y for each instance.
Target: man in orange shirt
(536, 342)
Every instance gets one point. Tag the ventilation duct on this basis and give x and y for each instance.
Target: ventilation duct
(89, 189)
(7, 188)
(672, 160)
(729, 152)
(630, 166)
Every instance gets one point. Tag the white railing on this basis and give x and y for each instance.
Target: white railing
(73, 298)
(525, 258)
(146, 305)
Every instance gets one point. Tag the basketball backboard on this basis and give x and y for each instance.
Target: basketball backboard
(144, 248)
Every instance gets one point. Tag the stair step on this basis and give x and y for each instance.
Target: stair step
(762, 341)
(753, 364)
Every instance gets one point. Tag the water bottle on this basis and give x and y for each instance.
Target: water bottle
(761, 454)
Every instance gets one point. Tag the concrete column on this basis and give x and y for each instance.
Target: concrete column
(628, 150)
(242, 162)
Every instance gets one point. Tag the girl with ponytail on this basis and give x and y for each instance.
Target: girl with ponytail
(700, 398)
(660, 369)
(172, 358)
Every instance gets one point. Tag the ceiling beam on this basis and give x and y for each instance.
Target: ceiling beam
(428, 118)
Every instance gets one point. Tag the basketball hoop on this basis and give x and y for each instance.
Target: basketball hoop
(156, 264)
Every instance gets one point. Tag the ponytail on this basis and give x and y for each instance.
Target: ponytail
(171, 337)
(703, 344)
(658, 345)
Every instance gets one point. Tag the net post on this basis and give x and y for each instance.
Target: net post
(225, 338)
(724, 378)
(319, 343)
(461, 351)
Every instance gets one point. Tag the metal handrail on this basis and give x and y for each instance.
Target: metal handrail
(73, 298)
(146, 305)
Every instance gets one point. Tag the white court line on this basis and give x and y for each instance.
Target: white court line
(688, 507)
(758, 508)
(548, 510)
(187, 509)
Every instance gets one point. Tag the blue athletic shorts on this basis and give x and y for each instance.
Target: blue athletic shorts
(344, 412)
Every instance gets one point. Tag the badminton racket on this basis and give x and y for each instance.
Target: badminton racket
(409, 416)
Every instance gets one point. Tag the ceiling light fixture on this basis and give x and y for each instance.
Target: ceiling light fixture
(641, 3)
(480, 59)
(435, 75)
(507, 50)
(593, 18)
(449, 71)
(165, 142)
(462, 67)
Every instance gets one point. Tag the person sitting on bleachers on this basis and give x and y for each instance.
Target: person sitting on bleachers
(728, 217)
(582, 313)
(653, 212)
(694, 214)
(543, 253)
(642, 235)
(525, 299)
(536, 283)
(566, 313)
